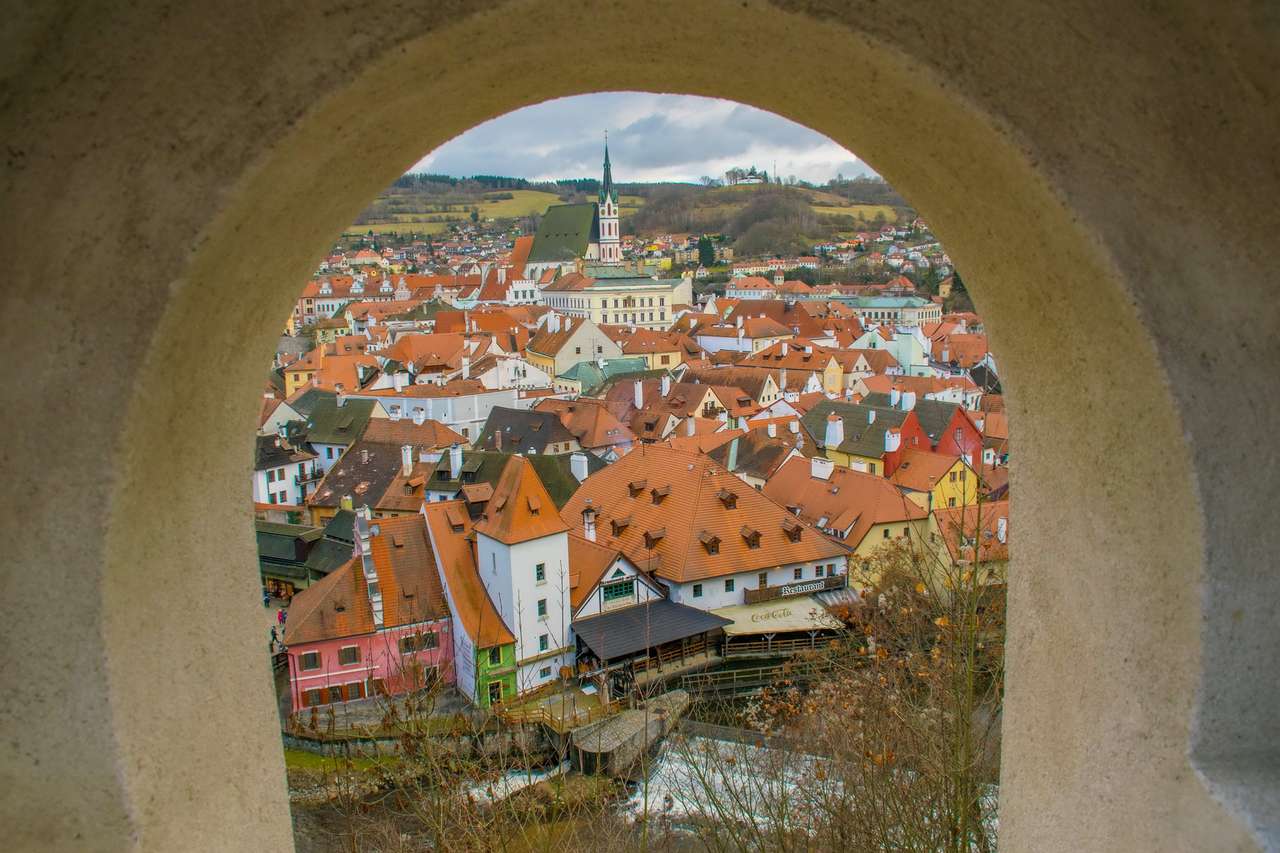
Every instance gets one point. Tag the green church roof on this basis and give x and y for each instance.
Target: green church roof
(565, 232)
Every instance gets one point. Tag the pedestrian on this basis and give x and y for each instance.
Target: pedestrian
(266, 598)
(280, 616)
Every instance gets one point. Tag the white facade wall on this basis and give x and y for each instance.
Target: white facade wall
(282, 489)
(509, 572)
(465, 414)
(595, 603)
(714, 595)
(327, 455)
(514, 373)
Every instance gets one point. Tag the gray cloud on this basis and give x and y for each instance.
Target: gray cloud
(651, 138)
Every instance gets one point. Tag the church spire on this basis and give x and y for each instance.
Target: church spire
(606, 185)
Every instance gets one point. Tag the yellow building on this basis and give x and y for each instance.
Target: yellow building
(935, 481)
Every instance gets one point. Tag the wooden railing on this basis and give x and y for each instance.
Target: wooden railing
(789, 646)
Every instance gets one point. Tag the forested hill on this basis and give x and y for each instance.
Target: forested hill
(756, 217)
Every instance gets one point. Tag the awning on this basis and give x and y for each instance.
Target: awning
(642, 626)
(779, 615)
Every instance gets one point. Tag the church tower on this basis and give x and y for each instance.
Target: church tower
(607, 209)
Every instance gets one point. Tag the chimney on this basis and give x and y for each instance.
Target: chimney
(399, 381)
(782, 379)
(497, 440)
(733, 455)
(773, 430)
(366, 562)
(820, 468)
(689, 426)
(794, 427)
(502, 275)
(344, 502)
(340, 395)
(455, 461)
(419, 417)
(578, 466)
(871, 416)
(666, 384)
(364, 456)
(784, 349)
(739, 321)
(637, 396)
(835, 431)
(895, 397)
(1002, 529)
(406, 459)
(892, 440)
(466, 367)
(908, 400)
(588, 519)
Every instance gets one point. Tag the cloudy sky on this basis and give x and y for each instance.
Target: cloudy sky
(651, 138)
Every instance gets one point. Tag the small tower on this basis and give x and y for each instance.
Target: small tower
(607, 210)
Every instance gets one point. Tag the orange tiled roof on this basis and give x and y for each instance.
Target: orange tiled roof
(688, 498)
(921, 470)
(521, 508)
(450, 528)
(850, 502)
(979, 525)
(588, 561)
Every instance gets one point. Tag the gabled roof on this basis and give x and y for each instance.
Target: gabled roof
(428, 435)
(934, 415)
(450, 528)
(592, 377)
(522, 431)
(273, 452)
(589, 421)
(338, 605)
(679, 493)
(364, 472)
(521, 508)
(588, 561)
(329, 423)
(846, 501)
(549, 343)
(756, 454)
(862, 436)
(921, 470)
(564, 233)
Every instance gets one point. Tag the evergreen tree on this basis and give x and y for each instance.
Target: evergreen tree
(706, 251)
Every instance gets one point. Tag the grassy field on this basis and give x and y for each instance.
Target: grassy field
(863, 212)
(436, 218)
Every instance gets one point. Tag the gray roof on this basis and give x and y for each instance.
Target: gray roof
(523, 431)
(860, 437)
(337, 545)
(329, 423)
(486, 467)
(933, 415)
(272, 452)
(642, 626)
(564, 232)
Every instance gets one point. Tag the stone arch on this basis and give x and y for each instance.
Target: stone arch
(173, 174)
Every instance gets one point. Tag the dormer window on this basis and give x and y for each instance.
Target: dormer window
(660, 493)
(792, 529)
(751, 536)
(620, 524)
(636, 487)
(653, 537)
(728, 498)
(709, 541)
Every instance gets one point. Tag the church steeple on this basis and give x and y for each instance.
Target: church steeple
(610, 247)
(607, 189)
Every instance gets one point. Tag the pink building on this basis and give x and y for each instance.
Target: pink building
(376, 625)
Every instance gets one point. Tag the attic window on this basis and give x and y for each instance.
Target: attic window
(751, 536)
(728, 498)
(792, 528)
(620, 524)
(396, 540)
(660, 493)
(653, 537)
(710, 541)
(534, 504)
(636, 487)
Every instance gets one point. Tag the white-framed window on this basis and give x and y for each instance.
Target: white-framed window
(348, 655)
